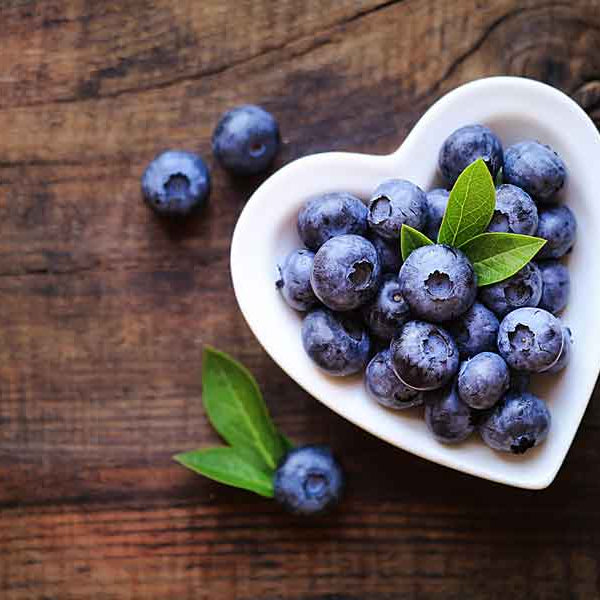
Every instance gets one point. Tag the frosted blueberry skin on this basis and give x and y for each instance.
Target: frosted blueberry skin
(246, 140)
(294, 279)
(438, 283)
(176, 184)
(389, 253)
(447, 417)
(556, 285)
(337, 343)
(424, 356)
(436, 203)
(466, 145)
(394, 203)
(384, 386)
(519, 422)
(346, 272)
(523, 289)
(483, 380)
(558, 226)
(515, 212)
(387, 311)
(475, 331)
(565, 354)
(535, 168)
(530, 340)
(329, 215)
(308, 481)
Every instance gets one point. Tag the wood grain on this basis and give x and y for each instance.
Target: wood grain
(105, 309)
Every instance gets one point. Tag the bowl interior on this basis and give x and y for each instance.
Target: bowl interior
(516, 109)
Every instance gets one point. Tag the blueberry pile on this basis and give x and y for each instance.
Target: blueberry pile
(422, 330)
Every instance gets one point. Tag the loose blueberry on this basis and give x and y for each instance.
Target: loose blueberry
(519, 381)
(327, 216)
(483, 380)
(424, 356)
(176, 183)
(475, 331)
(346, 272)
(556, 285)
(530, 339)
(246, 140)
(515, 212)
(338, 344)
(557, 225)
(465, 146)
(521, 421)
(294, 279)
(565, 354)
(389, 253)
(388, 311)
(436, 203)
(394, 203)
(309, 480)
(385, 387)
(448, 418)
(535, 168)
(522, 289)
(438, 282)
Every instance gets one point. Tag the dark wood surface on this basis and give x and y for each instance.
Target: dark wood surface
(104, 310)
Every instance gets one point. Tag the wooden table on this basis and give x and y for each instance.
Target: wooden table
(104, 310)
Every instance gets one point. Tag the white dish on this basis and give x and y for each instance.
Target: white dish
(516, 109)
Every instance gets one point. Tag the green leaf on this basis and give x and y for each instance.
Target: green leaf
(287, 443)
(470, 206)
(499, 177)
(497, 256)
(236, 408)
(229, 466)
(411, 239)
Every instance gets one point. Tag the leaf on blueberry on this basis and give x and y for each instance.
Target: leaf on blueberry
(470, 206)
(411, 239)
(497, 256)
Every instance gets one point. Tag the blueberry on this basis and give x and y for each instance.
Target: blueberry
(448, 418)
(465, 146)
(519, 381)
(246, 140)
(309, 480)
(389, 253)
(556, 285)
(424, 356)
(483, 380)
(436, 202)
(394, 203)
(338, 344)
(530, 339)
(475, 331)
(521, 421)
(294, 279)
(388, 311)
(565, 354)
(346, 272)
(438, 282)
(557, 225)
(176, 183)
(385, 387)
(535, 168)
(330, 215)
(515, 212)
(522, 289)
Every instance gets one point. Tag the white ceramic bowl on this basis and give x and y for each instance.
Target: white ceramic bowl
(516, 109)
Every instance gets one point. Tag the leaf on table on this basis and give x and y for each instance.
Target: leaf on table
(411, 239)
(228, 466)
(470, 206)
(497, 256)
(237, 409)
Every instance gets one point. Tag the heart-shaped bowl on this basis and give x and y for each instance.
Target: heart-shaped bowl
(516, 109)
